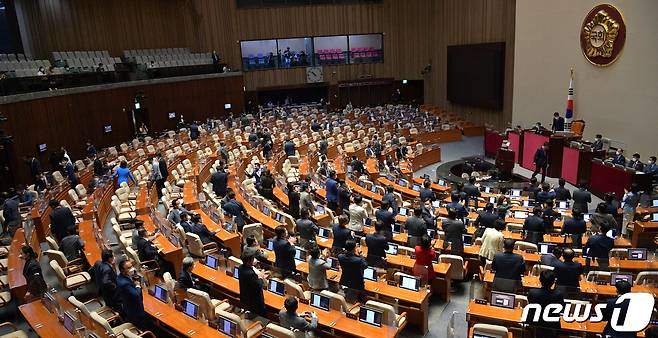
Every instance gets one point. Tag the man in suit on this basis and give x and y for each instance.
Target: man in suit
(377, 244)
(509, 268)
(426, 193)
(552, 259)
(651, 168)
(390, 198)
(106, 279)
(219, 180)
(72, 246)
(252, 247)
(598, 248)
(61, 220)
(341, 234)
(558, 122)
(575, 227)
(323, 146)
(541, 162)
(619, 157)
(164, 171)
(545, 194)
(357, 166)
(306, 230)
(602, 220)
(185, 221)
(284, 251)
(289, 318)
(581, 198)
(635, 163)
(251, 286)
(175, 212)
(454, 229)
(427, 214)
(568, 272)
(236, 209)
(387, 218)
(194, 130)
(289, 147)
(623, 287)
(562, 193)
(597, 145)
(485, 219)
(149, 252)
(472, 191)
(185, 279)
(545, 296)
(35, 166)
(129, 290)
(461, 210)
(416, 228)
(198, 228)
(331, 190)
(533, 226)
(352, 266)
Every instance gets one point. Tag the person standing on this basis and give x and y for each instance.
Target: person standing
(331, 186)
(317, 268)
(123, 174)
(129, 290)
(492, 241)
(293, 200)
(106, 279)
(284, 251)
(61, 220)
(546, 296)
(36, 286)
(582, 198)
(156, 176)
(630, 201)
(424, 264)
(164, 171)
(357, 215)
(558, 122)
(541, 162)
(454, 230)
(251, 286)
(219, 180)
(377, 244)
(352, 266)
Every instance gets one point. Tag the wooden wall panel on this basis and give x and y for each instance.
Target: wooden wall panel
(70, 120)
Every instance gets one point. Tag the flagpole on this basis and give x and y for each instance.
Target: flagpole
(569, 110)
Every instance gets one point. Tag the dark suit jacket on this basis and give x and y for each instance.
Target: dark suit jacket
(352, 267)
(574, 226)
(289, 148)
(471, 190)
(486, 219)
(545, 297)
(508, 265)
(454, 230)
(599, 246)
(106, 280)
(387, 218)
(607, 316)
(145, 249)
(581, 198)
(416, 226)
(568, 274)
(377, 245)
(185, 281)
(427, 194)
(131, 298)
(163, 168)
(306, 229)
(619, 159)
(562, 194)
(61, 219)
(285, 255)
(392, 201)
(251, 290)
(558, 124)
(534, 228)
(540, 159)
(341, 235)
(219, 180)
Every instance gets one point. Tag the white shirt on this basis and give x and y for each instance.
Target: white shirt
(357, 217)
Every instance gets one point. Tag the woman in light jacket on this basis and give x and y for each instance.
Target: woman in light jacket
(492, 242)
(317, 269)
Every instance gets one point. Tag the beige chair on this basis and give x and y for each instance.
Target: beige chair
(117, 330)
(537, 269)
(337, 302)
(594, 276)
(245, 329)
(295, 289)
(104, 311)
(122, 217)
(255, 229)
(277, 331)
(15, 332)
(69, 267)
(142, 266)
(619, 253)
(389, 314)
(456, 271)
(52, 243)
(196, 247)
(81, 191)
(73, 281)
(209, 307)
(523, 246)
(647, 277)
(490, 330)
(128, 333)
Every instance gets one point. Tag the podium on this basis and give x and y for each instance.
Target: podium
(492, 142)
(556, 144)
(577, 164)
(505, 162)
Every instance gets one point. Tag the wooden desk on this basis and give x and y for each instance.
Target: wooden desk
(403, 190)
(167, 315)
(435, 186)
(644, 234)
(171, 253)
(426, 158)
(190, 198)
(333, 323)
(141, 204)
(44, 323)
(231, 240)
(87, 233)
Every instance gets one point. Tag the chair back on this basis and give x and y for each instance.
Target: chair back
(277, 331)
(255, 229)
(294, 289)
(336, 301)
(102, 322)
(389, 316)
(647, 277)
(595, 276)
(57, 256)
(204, 302)
(80, 305)
(537, 269)
(194, 244)
(490, 330)
(521, 245)
(52, 243)
(456, 270)
(58, 271)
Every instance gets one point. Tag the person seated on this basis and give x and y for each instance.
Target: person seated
(201, 230)
(147, 251)
(289, 318)
(545, 194)
(533, 226)
(635, 163)
(185, 279)
(72, 246)
(619, 157)
(426, 192)
(175, 212)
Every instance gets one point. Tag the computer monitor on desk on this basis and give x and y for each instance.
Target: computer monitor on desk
(319, 301)
(324, 232)
(403, 211)
(515, 193)
(276, 287)
(529, 203)
(300, 254)
(637, 254)
(616, 277)
(654, 203)
(227, 327)
(654, 217)
(409, 282)
(191, 309)
(392, 249)
(160, 293)
(370, 316)
(211, 262)
(69, 323)
(501, 299)
(546, 248)
(416, 187)
(370, 274)
(518, 214)
(335, 264)
(563, 205)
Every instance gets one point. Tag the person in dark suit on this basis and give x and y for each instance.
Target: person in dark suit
(61, 220)
(289, 318)
(289, 147)
(427, 214)
(651, 168)
(251, 286)
(472, 192)
(198, 228)
(234, 208)
(306, 229)
(34, 165)
(341, 234)
(562, 193)
(541, 162)
(129, 290)
(558, 122)
(253, 248)
(568, 272)
(284, 251)
(194, 130)
(377, 244)
(598, 248)
(72, 246)
(36, 286)
(461, 210)
(416, 228)
(619, 157)
(545, 296)
(357, 166)
(352, 266)
(597, 145)
(426, 193)
(164, 171)
(549, 215)
(454, 229)
(390, 198)
(185, 279)
(106, 279)
(149, 252)
(331, 190)
(575, 227)
(623, 287)
(486, 218)
(552, 259)
(387, 218)
(545, 194)
(219, 180)
(509, 268)
(581, 198)
(602, 220)
(533, 226)
(635, 163)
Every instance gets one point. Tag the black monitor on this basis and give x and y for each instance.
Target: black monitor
(546, 248)
(492, 199)
(442, 183)
(637, 254)
(211, 261)
(396, 228)
(370, 274)
(236, 272)
(409, 282)
(227, 326)
(501, 299)
(319, 209)
(373, 188)
(324, 232)
(42, 147)
(392, 249)
(617, 276)
(190, 309)
(300, 254)
(335, 264)
(276, 287)
(468, 239)
(319, 301)
(69, 323)
(269, 244)
(563, 205)
(160, 293)
(654, 203)
(515, 193)
(519, 214)
(370, 316)
(277, 217)
(436, 204)
(266, 210)
(402, 182)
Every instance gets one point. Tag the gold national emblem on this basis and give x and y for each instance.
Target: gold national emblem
(603, 35)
